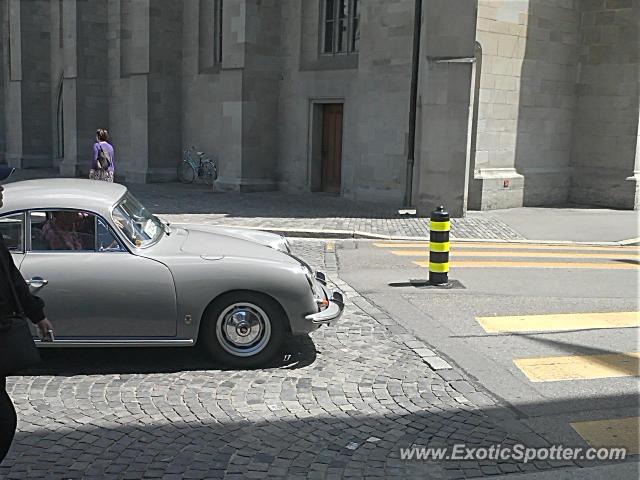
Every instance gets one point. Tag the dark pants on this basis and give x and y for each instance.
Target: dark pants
(7, 419)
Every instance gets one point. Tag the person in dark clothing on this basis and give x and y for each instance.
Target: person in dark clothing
(34, 310)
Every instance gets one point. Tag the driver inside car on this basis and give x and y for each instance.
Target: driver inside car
(65, 230)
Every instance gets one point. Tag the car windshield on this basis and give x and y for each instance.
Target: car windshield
(136, 222)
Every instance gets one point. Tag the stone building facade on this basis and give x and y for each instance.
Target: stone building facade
(520, 102)
(558, 103)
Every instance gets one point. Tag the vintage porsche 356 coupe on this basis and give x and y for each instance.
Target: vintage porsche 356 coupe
(113, 274)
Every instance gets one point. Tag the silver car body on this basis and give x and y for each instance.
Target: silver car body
(155, 295)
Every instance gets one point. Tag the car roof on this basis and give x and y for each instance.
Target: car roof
(92, 195)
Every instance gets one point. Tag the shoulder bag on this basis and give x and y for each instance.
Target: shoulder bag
(104, 159)
(17, 348)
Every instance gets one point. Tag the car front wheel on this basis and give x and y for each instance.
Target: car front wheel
(244, 329)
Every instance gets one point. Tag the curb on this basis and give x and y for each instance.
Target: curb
(350, 235)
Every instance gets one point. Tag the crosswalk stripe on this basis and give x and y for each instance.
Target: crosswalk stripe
(481, 253)
(580, 367)
(566, 265)
(611, 433)
(559, 321)
(517, 246)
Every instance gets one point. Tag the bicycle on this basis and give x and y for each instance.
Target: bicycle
(189, 169)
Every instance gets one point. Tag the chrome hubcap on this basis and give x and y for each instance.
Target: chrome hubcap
(243, 329)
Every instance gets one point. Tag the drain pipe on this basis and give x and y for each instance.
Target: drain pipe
(417, 27)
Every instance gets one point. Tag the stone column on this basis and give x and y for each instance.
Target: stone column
(147, 117)
(164, 90)
(85, 93)
(252, 43)
(605, 133)
(28, 87)
(132, 149)
(260, 85)
(445, 91)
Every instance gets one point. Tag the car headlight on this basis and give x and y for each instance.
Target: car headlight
(282, 244)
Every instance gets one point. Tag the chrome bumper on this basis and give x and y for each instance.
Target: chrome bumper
(336, 304)
(332, 313)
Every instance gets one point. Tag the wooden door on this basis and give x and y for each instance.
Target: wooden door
(331, 147)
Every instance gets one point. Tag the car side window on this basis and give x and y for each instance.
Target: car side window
(62, 230)
(105, 240)
(12, 231)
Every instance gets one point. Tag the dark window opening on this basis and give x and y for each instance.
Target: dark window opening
(341, 26)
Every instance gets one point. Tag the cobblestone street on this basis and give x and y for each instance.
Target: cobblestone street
(340, 404)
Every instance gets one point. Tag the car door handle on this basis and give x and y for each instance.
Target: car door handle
(37, 282)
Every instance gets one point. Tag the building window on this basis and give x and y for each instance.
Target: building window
(210, 35)
(60, 24)
(218, 31)
(341, 26)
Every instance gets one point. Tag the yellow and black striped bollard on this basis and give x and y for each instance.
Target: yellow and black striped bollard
(439, 247)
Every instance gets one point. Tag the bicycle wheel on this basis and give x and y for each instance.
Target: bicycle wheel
(209, 172)
(186, 172)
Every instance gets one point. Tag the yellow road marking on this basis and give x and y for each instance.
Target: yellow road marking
(518, 246)
(580, 367)
(480, 253)
(559, 321)
(486, 264)
(330, 246)
(611, 433)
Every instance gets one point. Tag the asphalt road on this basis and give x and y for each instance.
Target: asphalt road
(532, 281)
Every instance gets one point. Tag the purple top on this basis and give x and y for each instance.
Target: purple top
(106, 146)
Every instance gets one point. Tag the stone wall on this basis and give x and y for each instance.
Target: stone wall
(527, 98)
(382, 98)
(36, 83)
(212, 99)
(308, 82)
(84, 71)
(547, 101)
(445, 92)
(556, 116)
(260, 94)
(373, 87)
(92, 100)
(27, 86)
(164, 90)
(605, 145)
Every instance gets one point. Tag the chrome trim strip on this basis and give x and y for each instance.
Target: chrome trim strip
(115, 343)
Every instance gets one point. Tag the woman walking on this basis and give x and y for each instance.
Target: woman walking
(102, 165)
(15, 299)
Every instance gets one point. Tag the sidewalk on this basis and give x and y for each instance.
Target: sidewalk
(323, 215)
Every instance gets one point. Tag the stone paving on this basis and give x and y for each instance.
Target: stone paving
(339, 404)
(323, 214)
(317, 214)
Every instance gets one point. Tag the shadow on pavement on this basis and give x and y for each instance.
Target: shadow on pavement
(619, 362)
(175, 199)
(276, 442)
(299, 352)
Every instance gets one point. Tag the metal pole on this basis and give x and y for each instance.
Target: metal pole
(417, 27)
